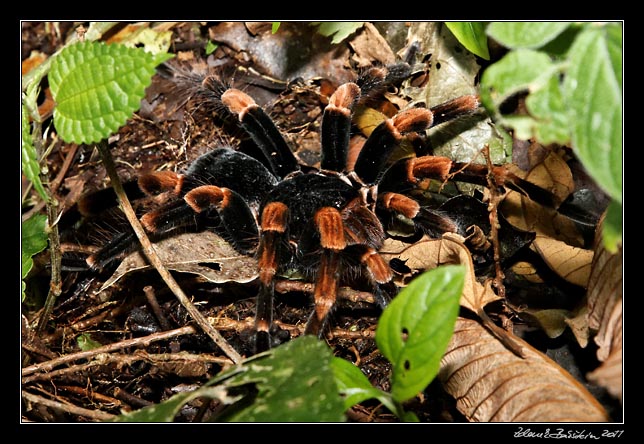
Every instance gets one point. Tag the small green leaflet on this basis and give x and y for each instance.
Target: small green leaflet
(34, 240)
(472, 36)
(97, 87)
(30, 164)
(414, 330)
(339, 30)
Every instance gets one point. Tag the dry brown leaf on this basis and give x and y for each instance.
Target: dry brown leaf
(609, 373)
(370, 48)
(492, 384)
(527, 271)
(429, 253)
(205, 254)
(604, 297)
(579, 326)
(552, 321)
(551, 174)
(570, 263)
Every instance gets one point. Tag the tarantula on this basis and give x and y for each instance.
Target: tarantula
(330, 223)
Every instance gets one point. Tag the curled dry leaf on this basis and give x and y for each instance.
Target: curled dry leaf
(205, 254)
(428, 253)
(604, 297)
(492, 384)
(552, 174)
(570, 263)
(369, 47)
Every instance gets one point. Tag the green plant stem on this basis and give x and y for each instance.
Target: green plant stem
(54, 238)
(154, 259)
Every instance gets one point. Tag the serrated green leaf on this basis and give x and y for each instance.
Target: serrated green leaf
(472, 36)
(33, 241)
(97, 87)
(525, 34)
(593, 95)
(414, 330)
(30, 163)
(294, 383)
(354, 386)
(338, 30)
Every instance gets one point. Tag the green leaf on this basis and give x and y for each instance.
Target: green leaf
(612, 228)
(414, 330)
(294, 383)
(30, 163)
(210, 47)
(525, 34)
(339, 30)
(274, 27)
(472, 36)
(34, 240)
(517, 71)
(592, 91)
(355, 387)
(546, 106)
(168, 409)
(85, 342)
(97, 87)
(290, 383)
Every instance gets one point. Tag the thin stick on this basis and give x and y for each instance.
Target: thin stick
(493, 208)
(69, 408)
(154, 259)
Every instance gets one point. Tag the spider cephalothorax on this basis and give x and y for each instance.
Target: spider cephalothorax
(329, 223)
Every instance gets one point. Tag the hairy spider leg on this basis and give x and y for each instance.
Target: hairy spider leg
(335, 130)
(237, 219)
(220, 167)
(328, 222)
(260, 127)
(274, 238)
(385, 138)
(445, 169)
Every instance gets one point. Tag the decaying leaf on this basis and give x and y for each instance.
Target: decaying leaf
(205, 254)
(369, 47)
(428, 253)
(492, 384)
(604, 297)
(551, 174)
(570, 263)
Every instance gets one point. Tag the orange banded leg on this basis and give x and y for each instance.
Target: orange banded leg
(445, 169)
(236, 216)
(274, 223)
(161, 181)
(426, 220)
(328, 221)
(335, 131)
(384, 139)
(262, 130)
(381, 276)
